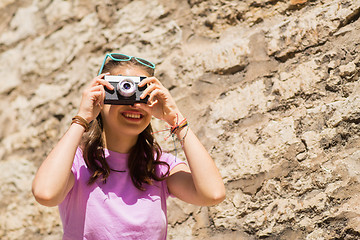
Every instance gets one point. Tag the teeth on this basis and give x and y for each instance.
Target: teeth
(132, 115)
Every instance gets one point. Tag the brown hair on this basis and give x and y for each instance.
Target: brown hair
(144, 156)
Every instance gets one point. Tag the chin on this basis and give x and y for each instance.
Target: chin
(133, 129)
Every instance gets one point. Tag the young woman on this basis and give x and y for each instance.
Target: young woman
(108, 175)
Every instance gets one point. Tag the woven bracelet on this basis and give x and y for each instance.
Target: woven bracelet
(178, 127)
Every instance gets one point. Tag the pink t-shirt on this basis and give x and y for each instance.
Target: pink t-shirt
(117, 209)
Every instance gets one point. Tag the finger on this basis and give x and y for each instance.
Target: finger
(95, 97)
(98, 97)
(143, 106)
(96, 88)
(93, 93)
(105, 83)
(153, 103)
(100, 100)
(102, 97)
(153, 94)
(148, 90)
(88, 93)
(99, 78)
(148, 80)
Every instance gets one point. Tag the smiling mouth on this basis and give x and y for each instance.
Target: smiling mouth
(132, 115)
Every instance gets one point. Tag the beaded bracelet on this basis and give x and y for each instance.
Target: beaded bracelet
(81, 121)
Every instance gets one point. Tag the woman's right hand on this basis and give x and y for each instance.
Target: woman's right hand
(93, 98)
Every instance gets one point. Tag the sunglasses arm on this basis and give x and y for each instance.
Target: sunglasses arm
(102, 66)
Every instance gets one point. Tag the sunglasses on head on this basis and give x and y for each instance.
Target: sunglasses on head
(123, 58)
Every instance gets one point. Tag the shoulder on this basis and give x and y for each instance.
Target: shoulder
(78, 160)
(171, 160)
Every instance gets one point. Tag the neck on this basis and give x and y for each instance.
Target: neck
(119, 143)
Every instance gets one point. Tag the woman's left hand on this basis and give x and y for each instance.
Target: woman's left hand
(160, 103)
(202, 185)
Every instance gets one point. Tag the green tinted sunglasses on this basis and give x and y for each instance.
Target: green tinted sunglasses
(123, 58)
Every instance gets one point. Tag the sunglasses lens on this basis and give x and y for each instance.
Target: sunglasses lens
(123, 57)
(145, 62)
(120, 56)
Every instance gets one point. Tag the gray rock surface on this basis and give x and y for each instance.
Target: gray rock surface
(270, 87)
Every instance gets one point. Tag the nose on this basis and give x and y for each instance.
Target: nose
(135, 107)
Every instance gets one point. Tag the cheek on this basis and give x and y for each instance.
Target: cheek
(109, 110)
(148, 119)
(107, 114)
(104, 114)
(105, 109)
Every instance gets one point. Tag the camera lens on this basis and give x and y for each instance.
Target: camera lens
(126, 87)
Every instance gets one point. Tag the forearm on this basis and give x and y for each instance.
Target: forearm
(206, 177)
(203, 184)
(51, 182)
(54, 179)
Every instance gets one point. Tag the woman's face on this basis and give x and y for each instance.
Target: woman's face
(125, 119)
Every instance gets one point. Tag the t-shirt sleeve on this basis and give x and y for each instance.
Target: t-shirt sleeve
(77, 162)
(75, 169)
(171, 160)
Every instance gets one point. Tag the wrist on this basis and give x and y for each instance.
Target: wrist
(179, 126)
(85, 117)
(175, 119)
(77, 126)
(81, 121)
(182, 130)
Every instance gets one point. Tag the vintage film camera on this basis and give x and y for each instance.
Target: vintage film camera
(126, 90)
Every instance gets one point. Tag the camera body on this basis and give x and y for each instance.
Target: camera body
(126, 90)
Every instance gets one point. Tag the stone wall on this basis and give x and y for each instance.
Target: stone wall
(271, 88)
